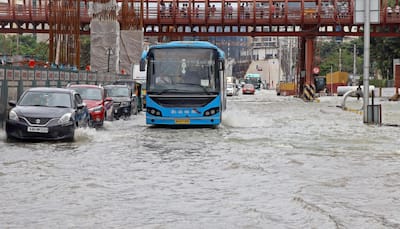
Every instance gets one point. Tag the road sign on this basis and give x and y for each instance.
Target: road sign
(315, 70)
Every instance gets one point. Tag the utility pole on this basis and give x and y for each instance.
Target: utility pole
(354, 61)
(367, 25)
(109, 53)
(340, 59)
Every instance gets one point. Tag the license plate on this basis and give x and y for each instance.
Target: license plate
(182, 121)
(38, 129)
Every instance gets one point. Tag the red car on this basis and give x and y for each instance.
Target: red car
(96, 102)
(248, 89)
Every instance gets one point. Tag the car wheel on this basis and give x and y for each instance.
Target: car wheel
(89, 122)
(9, 138)
(70, 139)
(111, 118)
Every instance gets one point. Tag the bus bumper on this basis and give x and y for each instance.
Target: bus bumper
(206, 121)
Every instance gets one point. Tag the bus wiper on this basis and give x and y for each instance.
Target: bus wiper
(167, 90)
(193, 84)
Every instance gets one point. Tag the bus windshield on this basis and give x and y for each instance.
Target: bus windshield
(178, 70)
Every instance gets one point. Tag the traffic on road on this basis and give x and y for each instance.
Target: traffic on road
(274, 162)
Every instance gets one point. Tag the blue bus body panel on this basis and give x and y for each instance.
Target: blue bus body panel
(184, 115)
(186, 44)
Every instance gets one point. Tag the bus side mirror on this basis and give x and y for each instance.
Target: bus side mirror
(142, 65)
(221, 65)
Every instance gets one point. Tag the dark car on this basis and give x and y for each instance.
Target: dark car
(136, 88)
(124, 103)
(94, 98)
(46, 114)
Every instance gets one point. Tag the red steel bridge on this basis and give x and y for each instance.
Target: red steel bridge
(208, 17)
(306, 19)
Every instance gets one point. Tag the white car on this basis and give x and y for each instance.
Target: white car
(230, 89)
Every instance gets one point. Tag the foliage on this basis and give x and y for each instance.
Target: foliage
(382, 52)
(25, 45)
(330, 53)
(85, 51)
(378, 83)
(28, 46)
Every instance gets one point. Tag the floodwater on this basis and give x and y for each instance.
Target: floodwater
(275, 162)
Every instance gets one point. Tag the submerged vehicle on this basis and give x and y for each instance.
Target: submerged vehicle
(124, 103)
(137, 89)
(185, 83)
(97, 103)
(46, 114)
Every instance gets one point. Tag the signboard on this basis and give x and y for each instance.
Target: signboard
(24, 75)
(374, 14)
(315, 70)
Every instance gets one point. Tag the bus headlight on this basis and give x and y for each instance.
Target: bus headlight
(211, 111)
(153, 111)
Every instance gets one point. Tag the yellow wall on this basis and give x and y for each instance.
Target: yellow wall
(337, 78)
(287, 86)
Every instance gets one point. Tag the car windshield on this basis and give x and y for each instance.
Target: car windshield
(118, 92)
(49, 99)
(89, 93)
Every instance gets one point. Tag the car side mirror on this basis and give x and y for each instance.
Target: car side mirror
(12, 103)
(108, 99)
(142, 66)
(81, 106)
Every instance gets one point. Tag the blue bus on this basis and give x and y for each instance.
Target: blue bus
(185, 83)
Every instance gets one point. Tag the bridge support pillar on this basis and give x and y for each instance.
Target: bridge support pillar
(131, 49)
(104, 42)
(309, 59)
(105, 37)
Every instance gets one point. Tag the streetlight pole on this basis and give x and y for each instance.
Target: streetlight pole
(109, 52)
(340, 59)
(367, 25)
(331, 80)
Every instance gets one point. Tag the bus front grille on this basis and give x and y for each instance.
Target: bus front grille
(182, 101)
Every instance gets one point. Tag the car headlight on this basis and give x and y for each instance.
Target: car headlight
(65, 119)
(13, 115)
(96, 109)
(125, 104)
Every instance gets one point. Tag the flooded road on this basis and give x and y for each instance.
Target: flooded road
(275, 162)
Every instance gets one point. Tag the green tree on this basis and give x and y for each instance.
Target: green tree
(382, 52)
(25, 45)
(332, 53)
(85, 51)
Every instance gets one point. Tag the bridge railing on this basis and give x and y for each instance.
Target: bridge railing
(259, 13)
(33, 14)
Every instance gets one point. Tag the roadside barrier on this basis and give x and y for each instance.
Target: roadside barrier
(345, 108)
(308, 92)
